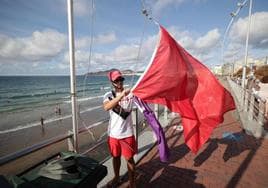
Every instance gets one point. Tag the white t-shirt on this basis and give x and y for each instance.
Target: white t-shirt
(119, 127)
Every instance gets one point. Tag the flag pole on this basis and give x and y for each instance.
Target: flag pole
(72, 74)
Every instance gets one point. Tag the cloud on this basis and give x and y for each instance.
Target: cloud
(82, 8)
(48, 43)
(125, 55)
(80, 57)
(41, 46)
(128, 56)
(258, 30)
(159, 5)
(9, 47)
(199, 46)
(107, 38)
(156, 7)
(233, 50)
(208, 41)
(51, 46)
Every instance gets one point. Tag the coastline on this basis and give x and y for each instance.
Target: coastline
(17, 140)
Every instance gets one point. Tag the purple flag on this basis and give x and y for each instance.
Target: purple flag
(155, 125)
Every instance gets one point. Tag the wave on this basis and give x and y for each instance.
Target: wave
(26, 105)
(36, 95)
(91, 84)
(85, 99)
(88, 89)
(21, 127)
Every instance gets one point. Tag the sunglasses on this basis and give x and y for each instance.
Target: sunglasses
(121, 79)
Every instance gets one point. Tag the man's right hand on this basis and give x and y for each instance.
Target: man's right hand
(111, 104)
(126, 92)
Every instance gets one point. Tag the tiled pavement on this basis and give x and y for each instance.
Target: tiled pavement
(230, 158)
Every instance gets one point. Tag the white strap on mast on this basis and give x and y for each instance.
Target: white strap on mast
(72, 73)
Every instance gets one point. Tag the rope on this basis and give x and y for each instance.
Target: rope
(139, 51)
(91, 44)
(149, 16)
(89, 63)
(145, 12)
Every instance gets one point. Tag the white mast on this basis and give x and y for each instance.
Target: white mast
(72, 73)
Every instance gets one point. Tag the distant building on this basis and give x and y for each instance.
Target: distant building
(251, 63)
(217, 70)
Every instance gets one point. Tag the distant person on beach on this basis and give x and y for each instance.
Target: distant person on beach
(42, 121)
(58, 110)
(121, 140)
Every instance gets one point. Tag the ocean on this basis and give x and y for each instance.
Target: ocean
(24, 100)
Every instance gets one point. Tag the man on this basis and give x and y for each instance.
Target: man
(121, 140)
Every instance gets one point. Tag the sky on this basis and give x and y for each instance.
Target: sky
(115, 33)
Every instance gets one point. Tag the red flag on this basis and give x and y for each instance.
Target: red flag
(177, 80)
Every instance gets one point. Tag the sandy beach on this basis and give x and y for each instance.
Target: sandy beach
(17, 140)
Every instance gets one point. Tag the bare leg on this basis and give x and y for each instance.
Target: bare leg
(131, 172)
(116, 165)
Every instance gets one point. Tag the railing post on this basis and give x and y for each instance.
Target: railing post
(135, 122)
(251, 107)
(156, 111)
(70, 141)
(166, 113)
(261, 111)
(247, 101)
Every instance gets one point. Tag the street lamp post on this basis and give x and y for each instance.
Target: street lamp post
(233, 15)
(246, 49)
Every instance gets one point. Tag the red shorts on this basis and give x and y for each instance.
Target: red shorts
(125, 146)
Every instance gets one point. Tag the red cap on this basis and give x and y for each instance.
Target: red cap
(113, 75)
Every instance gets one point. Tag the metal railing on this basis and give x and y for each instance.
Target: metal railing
(33, 148)
(250, 103)
(43, 144)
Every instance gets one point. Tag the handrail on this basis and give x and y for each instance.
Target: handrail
(35, 147)
(43, 144)
(253, 108)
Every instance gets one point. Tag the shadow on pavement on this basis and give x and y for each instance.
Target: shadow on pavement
(236, 144)
(155, 173)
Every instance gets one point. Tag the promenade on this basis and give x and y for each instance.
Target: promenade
(230, 158)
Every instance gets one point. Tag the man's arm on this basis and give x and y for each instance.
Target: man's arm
(108, 105)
